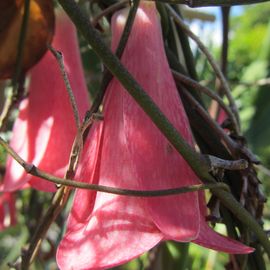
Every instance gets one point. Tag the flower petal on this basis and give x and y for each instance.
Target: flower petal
(103, 230)
(210, 239)
(45, 128)
(154, 163)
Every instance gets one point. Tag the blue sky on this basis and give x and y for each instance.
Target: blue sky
(212, 30)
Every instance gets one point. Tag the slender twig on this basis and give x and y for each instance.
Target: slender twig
(185, 44)
(59, 200)
(109, 10)
(21, 43)
(264, 170)
(225, 39)
(233, 165)
(232, 146)
(194, 84)
(208, 3)
(61, 196)
(17, 94)
(260, 82)
(59, 57)
(33, 170)
(7, 108)
(211, 60)
(56, 206)
(215, 108)
(119, 51)
(196, 162)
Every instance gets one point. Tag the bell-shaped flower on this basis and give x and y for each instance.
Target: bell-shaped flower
(45, 128)
(7, 210)
(126, 150)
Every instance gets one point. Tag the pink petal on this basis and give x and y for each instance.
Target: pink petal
(114, 234)
(45, 128)
(136, 143)
(103, 230)
(7, 210)
(210, 239)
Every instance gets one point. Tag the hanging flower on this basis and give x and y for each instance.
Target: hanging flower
(7, 210)
(45, 129)
(126, 150)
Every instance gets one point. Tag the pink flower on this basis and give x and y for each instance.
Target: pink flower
(7, 210)
(44, 131)
(127, 150)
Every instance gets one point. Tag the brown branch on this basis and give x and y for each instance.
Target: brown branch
(108, 10)
(209, 3)
(234, 148)
(233, 165)
(211, 61)
(59, 57)
(33, 170)
(194, 84)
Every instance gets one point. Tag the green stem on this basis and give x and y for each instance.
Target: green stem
(183, 260)
(196, 161)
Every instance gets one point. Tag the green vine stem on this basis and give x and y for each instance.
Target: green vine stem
(196, 161)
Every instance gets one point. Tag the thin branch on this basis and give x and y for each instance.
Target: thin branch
(225, 38)
(59, 199)
(33, 170)
(59, 57)
(16, 95)
(109, 10)
(264, 170)
(7, 109)
(209, 3)
(197, 163)
(211, 60)
(119, 51)
(260, 82)
(233, 165)
(194, 84)
(185, 45)
(234, 148)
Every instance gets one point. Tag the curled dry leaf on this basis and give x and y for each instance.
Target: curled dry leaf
(39, 32)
